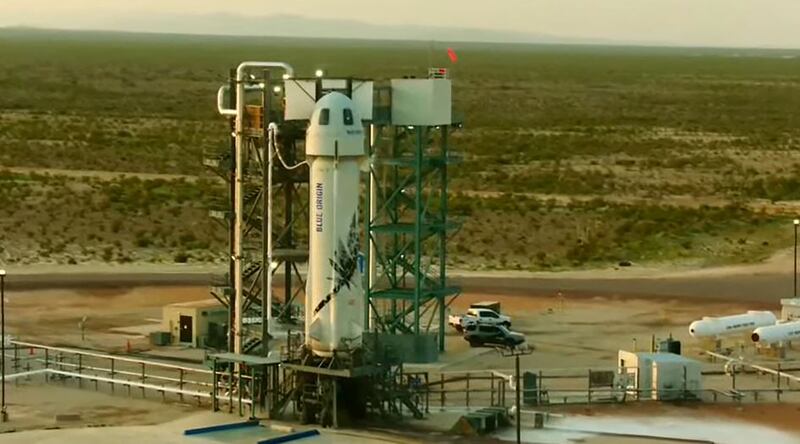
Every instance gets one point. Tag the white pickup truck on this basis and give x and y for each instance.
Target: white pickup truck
(478, 316)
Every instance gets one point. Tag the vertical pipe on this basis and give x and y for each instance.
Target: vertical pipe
(417, 228)
(443, 236)
(335, 404)
(238, 223)
(372, 208)
(214, 404)
(395, 236)
(266, 218)
(3, 411)
(231, 225)
(230, 387)
(239, 388)
(519, 407)
(288, 205)
(252, 392)
(270, 167)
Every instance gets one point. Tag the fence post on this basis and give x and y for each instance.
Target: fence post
(180, 383)
(46, 364)
(441, 391)
(80, 370)
(491, 389)
(503, 391)
(589, 387)
(685, 393)
(144, 378)
(214, 405)
(539, 390)
(467, 392)
(112, 376)
(427, 394)
(16, 362)
(778, 392)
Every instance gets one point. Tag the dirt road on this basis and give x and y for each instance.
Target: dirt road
(765, 283)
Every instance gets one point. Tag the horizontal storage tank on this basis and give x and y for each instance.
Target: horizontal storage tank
(710, 327)
(788, 331)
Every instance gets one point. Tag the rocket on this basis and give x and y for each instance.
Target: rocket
(335, 150)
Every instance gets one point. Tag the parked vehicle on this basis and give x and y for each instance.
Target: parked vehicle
(478, 316)
(481, 335)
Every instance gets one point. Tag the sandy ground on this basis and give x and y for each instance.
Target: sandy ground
(104, 418)
(52, 316)
(763, 283)
(574, 330)
(774, 424)
(574, 320)
(728, 424)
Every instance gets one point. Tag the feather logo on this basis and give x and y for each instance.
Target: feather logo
(345, 265)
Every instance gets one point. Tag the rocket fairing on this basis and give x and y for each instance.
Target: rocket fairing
(335, 150)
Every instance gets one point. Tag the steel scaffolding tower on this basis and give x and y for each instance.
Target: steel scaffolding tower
(262, 190)
(408, 226)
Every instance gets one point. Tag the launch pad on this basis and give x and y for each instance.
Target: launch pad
(304, 155)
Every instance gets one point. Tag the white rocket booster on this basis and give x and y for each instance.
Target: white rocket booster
(334, 295)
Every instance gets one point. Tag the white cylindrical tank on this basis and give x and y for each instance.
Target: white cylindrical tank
(334, 295)
(730, 325)
(772, 334)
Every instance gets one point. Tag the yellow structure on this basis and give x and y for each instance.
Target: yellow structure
(197, 323)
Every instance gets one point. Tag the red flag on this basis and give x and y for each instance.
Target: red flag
(452, 54)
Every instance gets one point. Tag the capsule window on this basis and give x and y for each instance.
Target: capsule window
(348, 116)
(324, 116)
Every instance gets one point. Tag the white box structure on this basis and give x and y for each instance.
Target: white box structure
(790, 309)
(660, 376)
(301, 97)
(423, 102)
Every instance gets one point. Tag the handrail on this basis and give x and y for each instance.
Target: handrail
(110, 356)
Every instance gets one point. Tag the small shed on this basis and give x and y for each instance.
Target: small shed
(660, 376)
(790, 310)
(198, 323)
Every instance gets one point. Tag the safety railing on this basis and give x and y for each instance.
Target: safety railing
(111, 373)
